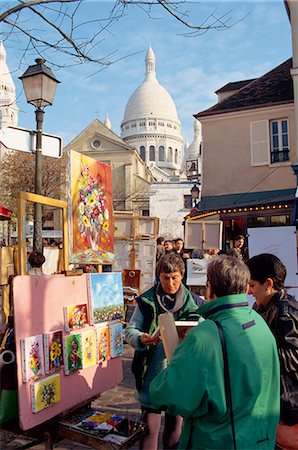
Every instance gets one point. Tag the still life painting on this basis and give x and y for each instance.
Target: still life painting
(91, 211)
(116, 339)
(103, 343)
(89, 350)
(32, 357)
(45, 393)
(75, 316)
(53, 350)
(105, 293)
(72, 346)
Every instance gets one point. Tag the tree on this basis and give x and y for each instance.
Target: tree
(17, 174)
(56, 25)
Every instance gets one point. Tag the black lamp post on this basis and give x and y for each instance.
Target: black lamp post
(39, 85)
(195, 192)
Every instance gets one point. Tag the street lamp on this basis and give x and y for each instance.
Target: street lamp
(195, 192)
(39, 85)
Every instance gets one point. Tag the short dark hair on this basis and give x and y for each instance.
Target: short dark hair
(265, 266)
(178, 239)
(36, 259)
(160, 240)
(170, 263)
(239, 236)
(228, 275)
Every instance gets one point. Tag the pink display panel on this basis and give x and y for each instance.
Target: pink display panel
(39, 303)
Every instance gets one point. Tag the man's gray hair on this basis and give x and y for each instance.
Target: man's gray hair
(170, 263)
(228, 275)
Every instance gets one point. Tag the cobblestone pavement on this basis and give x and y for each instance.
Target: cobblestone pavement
(120, 399)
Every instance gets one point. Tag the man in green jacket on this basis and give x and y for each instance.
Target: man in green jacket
(193, 385)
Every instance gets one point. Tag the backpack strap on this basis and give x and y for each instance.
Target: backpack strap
(228, 391)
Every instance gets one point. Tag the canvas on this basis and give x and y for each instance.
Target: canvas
(32, 357)
(116, 339)
(75, 316)
(89, 348)
(103, 343)
(105, 294)
(72, 348)
(53, 350)
(45, 393)
(90, 211)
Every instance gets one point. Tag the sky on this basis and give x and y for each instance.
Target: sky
(191, 67)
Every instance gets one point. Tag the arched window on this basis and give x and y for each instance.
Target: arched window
(161, 153)
(170, 154)
(151, 153)
(176, 156)
(142, 152)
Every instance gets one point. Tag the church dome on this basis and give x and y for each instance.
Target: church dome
(193, 151)
(150, 99)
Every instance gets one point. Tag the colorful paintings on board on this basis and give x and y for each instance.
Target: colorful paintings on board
(45, 392)
(103, 342)
(32, 358)
(106, 296)
(53, 350)
(91, 211)
(89, 350)
(116, 339)
(72, 347)
(75, 316)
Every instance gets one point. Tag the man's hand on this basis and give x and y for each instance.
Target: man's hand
(146, 339)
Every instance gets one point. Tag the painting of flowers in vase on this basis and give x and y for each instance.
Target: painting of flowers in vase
(103, 342)
(32, 358)
(116, 339)
(75, 316)
(89, 351)
(72, 347)
(91, 211)
(45, 392)
(53, 351)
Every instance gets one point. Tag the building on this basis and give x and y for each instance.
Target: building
(8, 107)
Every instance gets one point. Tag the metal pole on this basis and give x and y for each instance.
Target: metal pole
(37, 237)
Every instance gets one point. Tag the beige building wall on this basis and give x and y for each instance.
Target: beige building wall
(228, 151)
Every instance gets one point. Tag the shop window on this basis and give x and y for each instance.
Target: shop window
(280, 220)
(257, 221)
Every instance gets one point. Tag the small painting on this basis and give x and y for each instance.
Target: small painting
(106, 296)
(45, 393)
(116, 339)
(32, 358)
(53, 350)
(89, 350)
(103, 343)
(72, 347)
(75, 316)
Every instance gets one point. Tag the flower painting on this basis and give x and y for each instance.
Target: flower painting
(116, 339)
(103, 343)
(89, 351)
(75, 316)
(91, 211)
(45, 392)
(32, 357)
(72, 346)
(53, 351)
(105, 296)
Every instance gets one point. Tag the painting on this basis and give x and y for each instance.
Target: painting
(105, 294)
(90, 211)
(53, 350)
(116, 339)
(72, 347)
(103, 343)
(45, 393)
(89, 350)
(75, 316)
(32, 358)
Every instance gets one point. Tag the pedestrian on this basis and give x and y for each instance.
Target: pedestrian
(184, 255)
(160, 248)
(193, 385)
(36, 260)
(169, 246)
(149, 358)
(280, 312)
(236, 250)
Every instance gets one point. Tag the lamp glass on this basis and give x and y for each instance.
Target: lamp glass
(39, 89)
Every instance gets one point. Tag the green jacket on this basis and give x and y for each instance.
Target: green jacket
(150, 361)
(193, 384)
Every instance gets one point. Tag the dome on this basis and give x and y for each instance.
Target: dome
(150, 98)
(194, 149)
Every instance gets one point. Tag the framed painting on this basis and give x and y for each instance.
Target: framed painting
(116, 339)
(32, 357)
(90, 211)
(45, 393)
(105, 294)
(89, 350)
(53, 350)
(72, 348)
(75, 316)
(103, 343)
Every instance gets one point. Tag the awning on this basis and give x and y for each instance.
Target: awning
(219, 202)
(5, 214)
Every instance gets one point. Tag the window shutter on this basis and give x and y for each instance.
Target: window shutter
(259, 143)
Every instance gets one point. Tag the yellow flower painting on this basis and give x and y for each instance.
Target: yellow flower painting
(45, 393)
(89, 351)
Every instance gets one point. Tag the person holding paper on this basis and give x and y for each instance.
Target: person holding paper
(149, 359)
(194, 386)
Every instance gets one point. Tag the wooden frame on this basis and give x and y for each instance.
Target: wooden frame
(24, 197)
(134, 224)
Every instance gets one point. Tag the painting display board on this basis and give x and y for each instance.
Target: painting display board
(39, 303)
(197, 272)
(203, 234)
(91, 221)
(281, 242)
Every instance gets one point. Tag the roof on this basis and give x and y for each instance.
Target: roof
(5, 214)
(275, 87)
(218, 202)
(234, 86)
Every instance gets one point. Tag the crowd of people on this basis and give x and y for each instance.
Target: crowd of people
(232, 383)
